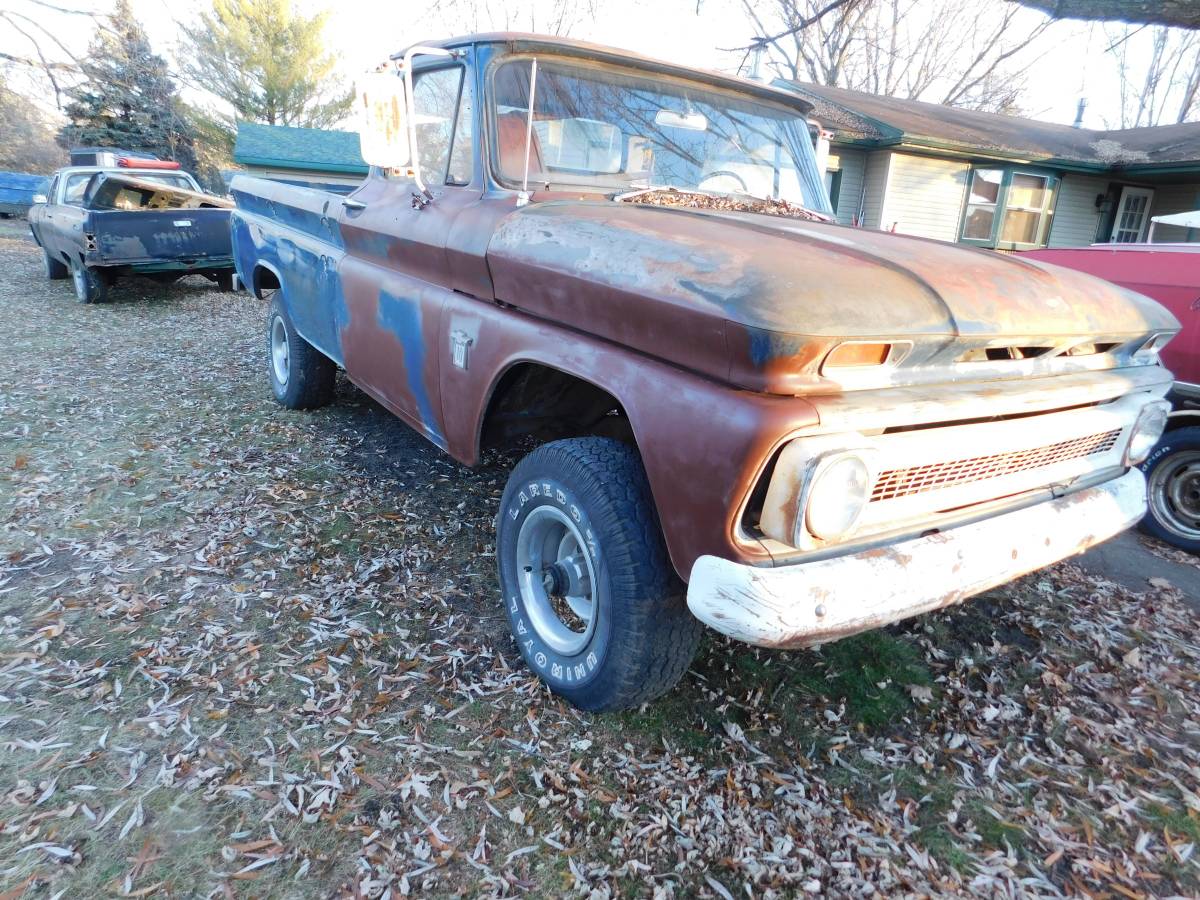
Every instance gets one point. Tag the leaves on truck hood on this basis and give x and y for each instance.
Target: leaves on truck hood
(722, 202)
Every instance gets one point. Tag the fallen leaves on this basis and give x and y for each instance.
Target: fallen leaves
(240, 645)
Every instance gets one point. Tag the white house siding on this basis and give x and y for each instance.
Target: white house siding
(925, 196)
(875, 179)
(1174, 198)
(852, 164)
(1076, 216)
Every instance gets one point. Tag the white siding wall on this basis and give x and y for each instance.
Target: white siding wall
(1076, 217)
(925, 196)
(852, 164)
(876, 179)
(1174, 198)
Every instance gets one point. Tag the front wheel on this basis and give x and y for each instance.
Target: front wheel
(53, 269)
(301, 376)
(90, 284)
(593, 603)
(1173, 489)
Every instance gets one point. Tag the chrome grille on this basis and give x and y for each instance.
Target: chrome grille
(918, 479)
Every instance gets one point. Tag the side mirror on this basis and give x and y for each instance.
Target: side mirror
(383, 120)
(39, 198)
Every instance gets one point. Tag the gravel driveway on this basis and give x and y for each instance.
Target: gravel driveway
(252, 652)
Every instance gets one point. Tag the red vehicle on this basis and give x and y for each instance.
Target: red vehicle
(1170, 273)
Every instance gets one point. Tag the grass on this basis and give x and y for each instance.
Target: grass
(870, 674)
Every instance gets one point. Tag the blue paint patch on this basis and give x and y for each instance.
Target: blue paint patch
(403, 319)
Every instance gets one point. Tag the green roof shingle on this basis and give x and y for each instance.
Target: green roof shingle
(286, 147)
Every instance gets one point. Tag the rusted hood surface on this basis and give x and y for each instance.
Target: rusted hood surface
(758, 300)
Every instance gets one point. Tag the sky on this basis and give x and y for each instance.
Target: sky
(1071, 64)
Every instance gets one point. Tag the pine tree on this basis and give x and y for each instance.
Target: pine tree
(127, 98)
(267, 62)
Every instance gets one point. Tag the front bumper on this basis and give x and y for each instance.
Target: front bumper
(812, 603)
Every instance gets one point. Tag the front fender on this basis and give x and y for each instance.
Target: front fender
(703, 444)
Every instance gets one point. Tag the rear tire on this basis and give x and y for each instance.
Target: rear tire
(53, 268)
(592, 600)
(224, 282)
(301, 376)
(1173, 489)
(90, 284)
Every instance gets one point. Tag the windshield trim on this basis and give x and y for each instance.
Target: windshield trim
(780, 105)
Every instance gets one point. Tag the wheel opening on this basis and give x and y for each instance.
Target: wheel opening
(535, 403)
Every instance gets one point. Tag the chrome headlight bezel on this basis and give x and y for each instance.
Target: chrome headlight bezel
(830, 465)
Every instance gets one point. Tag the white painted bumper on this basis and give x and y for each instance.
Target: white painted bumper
(812, 603)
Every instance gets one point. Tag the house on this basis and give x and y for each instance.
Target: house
(1000, 181)
(313, 157)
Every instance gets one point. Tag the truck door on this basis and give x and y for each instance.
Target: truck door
(396, 274)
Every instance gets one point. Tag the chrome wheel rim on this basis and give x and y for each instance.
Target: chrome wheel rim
(557, 580)
(279, 350)
(1175, 494)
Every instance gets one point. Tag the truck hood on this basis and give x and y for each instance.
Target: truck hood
(759, 300)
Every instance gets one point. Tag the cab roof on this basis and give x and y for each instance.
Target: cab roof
(526, 42)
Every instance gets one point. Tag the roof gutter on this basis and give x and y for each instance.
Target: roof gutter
(301, 166)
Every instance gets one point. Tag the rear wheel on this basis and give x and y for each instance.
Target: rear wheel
(301, 376)
(53, 268)
(593, 603)
(90, 284)
(1173, 488)
(224, 282)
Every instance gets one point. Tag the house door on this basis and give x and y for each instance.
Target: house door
(1133, 214)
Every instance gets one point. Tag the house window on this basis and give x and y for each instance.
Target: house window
(1007, 209)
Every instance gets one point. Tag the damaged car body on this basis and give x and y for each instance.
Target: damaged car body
(142, 216)
(742, 415)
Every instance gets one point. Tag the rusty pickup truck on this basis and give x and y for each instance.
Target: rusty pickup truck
(140, 216)
(735, 413)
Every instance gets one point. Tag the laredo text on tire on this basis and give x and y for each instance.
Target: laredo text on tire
(301, 376)
(594, 605)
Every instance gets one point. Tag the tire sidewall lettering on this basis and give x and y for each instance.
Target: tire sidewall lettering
(556, 668)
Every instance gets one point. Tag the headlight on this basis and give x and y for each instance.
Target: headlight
(1146, 431)
(840, 491)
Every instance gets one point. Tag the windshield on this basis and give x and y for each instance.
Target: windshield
(626, 131)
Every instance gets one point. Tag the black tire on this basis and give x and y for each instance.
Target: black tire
(90, 284)
(305, 378)
(643, 637)
(224, 282)
(1173, 484)
(53, 268)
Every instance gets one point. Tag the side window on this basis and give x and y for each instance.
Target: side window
(438, 117)
(73, 195)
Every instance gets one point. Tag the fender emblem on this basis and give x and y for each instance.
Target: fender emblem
(459, 342)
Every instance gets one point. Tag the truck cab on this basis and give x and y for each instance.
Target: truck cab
(734, 413)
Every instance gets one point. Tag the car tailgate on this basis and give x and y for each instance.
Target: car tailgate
(150, 236)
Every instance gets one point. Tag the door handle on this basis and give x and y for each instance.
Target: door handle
(353, 205)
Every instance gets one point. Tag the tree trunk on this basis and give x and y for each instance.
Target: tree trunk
(1178, 13)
